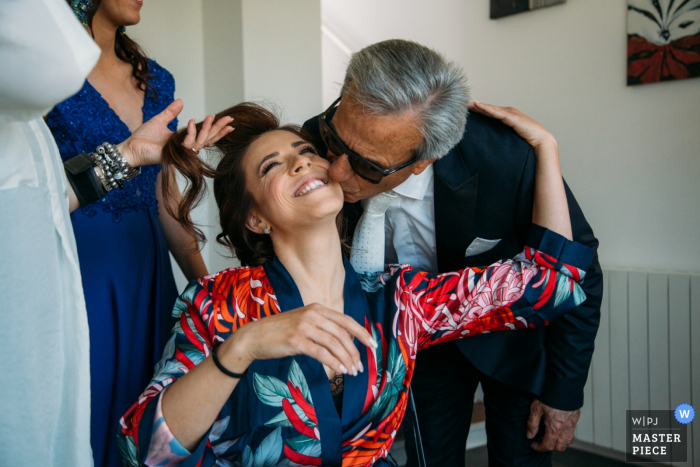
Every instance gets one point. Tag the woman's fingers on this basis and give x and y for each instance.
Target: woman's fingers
(322, 354)
(314, 330)
(530, 130)
(342, 335)
(343, 346)
(351, 326)
(486, 109)
(500, 113)
(203, 135)
(316, 326)
(209, 133)
(226, 130)
(219, 130)
(336, 348)
(190, 139)
(216, 136)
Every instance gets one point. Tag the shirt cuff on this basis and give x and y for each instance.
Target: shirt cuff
(164, 450)
(561, 250)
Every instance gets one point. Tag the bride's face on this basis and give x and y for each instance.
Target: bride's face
(289, 184)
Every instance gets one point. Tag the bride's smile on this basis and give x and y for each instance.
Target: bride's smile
(289, 183)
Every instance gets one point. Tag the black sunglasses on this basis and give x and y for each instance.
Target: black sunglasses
(366, 169)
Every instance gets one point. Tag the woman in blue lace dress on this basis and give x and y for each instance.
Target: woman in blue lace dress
(123, 239)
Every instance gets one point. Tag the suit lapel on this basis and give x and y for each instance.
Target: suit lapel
(455, 201)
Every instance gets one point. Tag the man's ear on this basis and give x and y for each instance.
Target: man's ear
(255, 223)
(420, 166)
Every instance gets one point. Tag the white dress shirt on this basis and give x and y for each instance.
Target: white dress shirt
(410, 224)
(45, 368)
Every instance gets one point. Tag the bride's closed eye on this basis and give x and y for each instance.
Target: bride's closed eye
(308, 149)
(268, 167)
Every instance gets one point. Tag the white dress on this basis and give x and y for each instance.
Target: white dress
(44, 367)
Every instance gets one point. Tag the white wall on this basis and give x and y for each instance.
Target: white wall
(282, 55)
(223, 82)
(170, 32)
(223, 53)
(631, 154)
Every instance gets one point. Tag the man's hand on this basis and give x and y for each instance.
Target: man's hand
(559, 426)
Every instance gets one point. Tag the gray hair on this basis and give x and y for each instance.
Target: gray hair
(397, 76)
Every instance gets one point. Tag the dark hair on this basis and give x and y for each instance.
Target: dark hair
(127, 51)
(233, 199)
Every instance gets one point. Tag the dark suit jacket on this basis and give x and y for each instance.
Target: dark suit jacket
(484, 187)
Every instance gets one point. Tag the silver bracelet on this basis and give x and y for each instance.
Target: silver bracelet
(111, 168)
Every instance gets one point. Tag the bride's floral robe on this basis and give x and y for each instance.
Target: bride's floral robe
(282, 412)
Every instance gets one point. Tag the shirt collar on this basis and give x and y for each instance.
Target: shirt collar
(416, 186)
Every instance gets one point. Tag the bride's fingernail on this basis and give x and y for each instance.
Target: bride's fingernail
(373, 343)
(343, 369)
(361, 367)
(354, 370)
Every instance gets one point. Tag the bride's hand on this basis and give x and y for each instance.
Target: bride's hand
(531, 131)
(312, 330)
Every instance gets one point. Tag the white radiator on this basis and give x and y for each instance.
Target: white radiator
(647, 355)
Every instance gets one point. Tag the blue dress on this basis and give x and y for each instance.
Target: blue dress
(124, 261)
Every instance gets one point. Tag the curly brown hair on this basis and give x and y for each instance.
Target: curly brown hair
(232, 197)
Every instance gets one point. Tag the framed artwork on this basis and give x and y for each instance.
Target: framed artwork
(501, 8)
(663, 40)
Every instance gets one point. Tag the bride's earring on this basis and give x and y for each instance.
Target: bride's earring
(267, 231)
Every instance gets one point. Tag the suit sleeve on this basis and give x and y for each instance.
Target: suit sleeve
(570, 340)
(531, 290)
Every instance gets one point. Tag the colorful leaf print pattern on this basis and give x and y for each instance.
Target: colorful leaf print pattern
(207, 312)
(297, 411)
(407, 311)
(386, 400)
(252, 299)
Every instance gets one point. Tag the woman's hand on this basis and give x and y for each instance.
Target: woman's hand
(312, 330)
(208, 134)
(145, 145)
(528, 129)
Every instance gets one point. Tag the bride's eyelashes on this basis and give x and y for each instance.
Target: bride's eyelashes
(307, 149)
(268, 167)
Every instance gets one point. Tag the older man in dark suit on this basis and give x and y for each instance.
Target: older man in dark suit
(453, 192)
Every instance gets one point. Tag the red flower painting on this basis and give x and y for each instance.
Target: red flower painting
(663, 41)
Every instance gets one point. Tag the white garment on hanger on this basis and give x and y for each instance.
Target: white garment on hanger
(46, 55)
